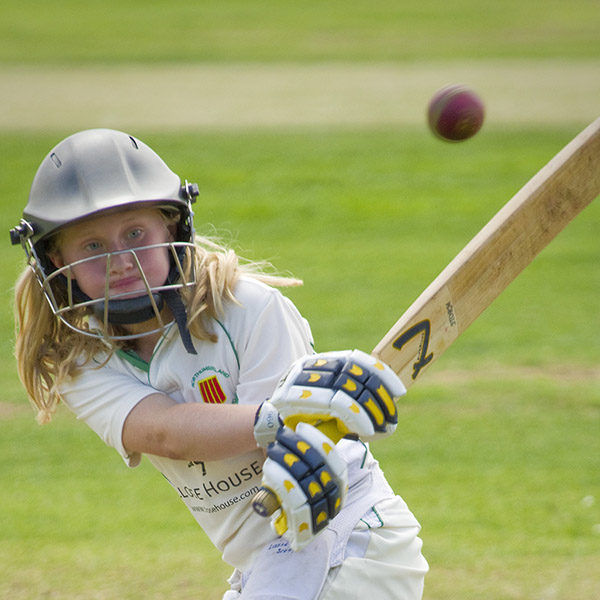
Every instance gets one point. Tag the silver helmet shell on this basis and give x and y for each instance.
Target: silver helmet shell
(96, 170)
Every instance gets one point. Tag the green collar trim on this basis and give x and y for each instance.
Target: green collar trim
(132, 358)
(237, 358)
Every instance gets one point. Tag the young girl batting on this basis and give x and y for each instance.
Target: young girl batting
(167, 346)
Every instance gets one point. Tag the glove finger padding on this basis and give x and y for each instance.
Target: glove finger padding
(308, 476)
(352, 389)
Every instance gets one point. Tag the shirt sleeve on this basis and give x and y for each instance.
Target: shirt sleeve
(103, 398)
(276, 337)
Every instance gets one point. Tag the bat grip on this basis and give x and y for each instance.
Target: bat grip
(265, 502)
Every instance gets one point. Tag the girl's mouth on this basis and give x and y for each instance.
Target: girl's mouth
(127, 284)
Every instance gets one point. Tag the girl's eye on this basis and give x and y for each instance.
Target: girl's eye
(134, 234)
(93, 246)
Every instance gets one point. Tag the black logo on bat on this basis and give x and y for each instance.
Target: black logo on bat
(422, 328)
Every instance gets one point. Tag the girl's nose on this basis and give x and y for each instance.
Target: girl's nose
(121, 262)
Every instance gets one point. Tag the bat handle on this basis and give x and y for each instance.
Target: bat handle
(265, 502)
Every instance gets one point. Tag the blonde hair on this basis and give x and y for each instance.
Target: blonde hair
(48, 352)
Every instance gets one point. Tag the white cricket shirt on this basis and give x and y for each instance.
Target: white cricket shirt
(258, 339)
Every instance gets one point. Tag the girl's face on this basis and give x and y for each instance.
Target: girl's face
(114, 232)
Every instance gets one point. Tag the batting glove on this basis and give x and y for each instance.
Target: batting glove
(348, 392)
(304, 484)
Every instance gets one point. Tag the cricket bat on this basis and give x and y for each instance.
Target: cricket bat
(525, 225)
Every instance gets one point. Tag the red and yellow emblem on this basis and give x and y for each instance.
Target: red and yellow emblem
(211, 390)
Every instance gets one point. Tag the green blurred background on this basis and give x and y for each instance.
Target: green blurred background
(303, 124)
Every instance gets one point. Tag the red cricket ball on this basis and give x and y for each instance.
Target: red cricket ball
(455, 113)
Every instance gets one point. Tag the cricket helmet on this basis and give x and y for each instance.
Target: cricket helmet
(86, 174)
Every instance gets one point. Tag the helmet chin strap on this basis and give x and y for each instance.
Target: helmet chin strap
(175, 304)
(130, 311)
(138, 310)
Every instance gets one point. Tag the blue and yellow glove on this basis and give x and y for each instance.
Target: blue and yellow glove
(304, 481)
(341, 393)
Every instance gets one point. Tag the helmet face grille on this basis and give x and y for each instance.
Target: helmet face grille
(97, 317)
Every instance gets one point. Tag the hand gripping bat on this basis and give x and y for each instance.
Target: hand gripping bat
(525, 225)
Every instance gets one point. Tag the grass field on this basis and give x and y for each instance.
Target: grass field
(499, 445)
(281, 30)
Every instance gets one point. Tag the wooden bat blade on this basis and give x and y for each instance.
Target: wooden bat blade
(494, 257)
(487, 264)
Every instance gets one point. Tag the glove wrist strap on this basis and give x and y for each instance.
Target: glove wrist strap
(267, 423)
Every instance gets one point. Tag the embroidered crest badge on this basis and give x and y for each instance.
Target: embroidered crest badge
(211, 390)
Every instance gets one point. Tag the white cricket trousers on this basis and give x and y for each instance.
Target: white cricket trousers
(381, 560)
